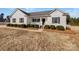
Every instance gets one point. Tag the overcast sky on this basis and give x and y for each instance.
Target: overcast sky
(74, 12)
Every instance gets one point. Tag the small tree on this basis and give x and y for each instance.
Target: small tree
(2, 17)
(68, 19)
(8, 19)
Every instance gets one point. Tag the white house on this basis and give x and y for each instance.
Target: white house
(52, 17)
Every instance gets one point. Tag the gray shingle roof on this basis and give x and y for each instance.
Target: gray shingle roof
(40, 13)
(45, 13)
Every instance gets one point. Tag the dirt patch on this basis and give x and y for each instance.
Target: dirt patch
(22, 40)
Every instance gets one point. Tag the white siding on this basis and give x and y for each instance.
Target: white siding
(48, 20)
(28, 20)
(56, 14)
(18, 14)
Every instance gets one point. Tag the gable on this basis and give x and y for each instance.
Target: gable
(56, 13)
(19, 13)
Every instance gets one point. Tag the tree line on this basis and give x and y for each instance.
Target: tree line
(4, 19)
(73, 21)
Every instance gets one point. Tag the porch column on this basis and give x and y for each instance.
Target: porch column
(40, 21)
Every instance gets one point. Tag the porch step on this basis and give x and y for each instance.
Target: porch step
(42, 27)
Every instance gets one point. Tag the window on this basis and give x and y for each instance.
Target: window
(35, 20)
(21, 20)
(55, 19)
(38, 20)
(14, 20)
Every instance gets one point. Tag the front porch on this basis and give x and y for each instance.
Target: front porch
(38, 21)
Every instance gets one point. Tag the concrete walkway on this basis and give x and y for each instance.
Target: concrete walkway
(75, 28)
(33, 30)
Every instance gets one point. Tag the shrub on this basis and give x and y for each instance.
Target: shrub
(60, 27)
(15, 25)
(19, 25)
(36, 26)
(11, 25)
(8, 24)
(31, 25)
(53, 27)
(23, 25)
(28, 25)
(47, 27)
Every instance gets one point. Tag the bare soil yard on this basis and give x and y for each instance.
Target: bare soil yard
(22, 40)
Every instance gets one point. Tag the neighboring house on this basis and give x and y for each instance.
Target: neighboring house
(53, 17)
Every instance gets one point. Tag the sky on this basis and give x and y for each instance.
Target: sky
(73, 12)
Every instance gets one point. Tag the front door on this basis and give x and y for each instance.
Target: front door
(43, 21)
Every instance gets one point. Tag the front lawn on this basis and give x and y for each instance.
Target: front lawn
(22, 40)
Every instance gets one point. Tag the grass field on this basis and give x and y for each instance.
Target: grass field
(21, 40)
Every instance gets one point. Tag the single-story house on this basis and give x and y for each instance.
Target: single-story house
(52, 17)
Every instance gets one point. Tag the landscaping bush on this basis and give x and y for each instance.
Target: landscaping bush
(47, 27)
(11, 25)
(52, 27)
(60, 27)
(31, 25)
(19, 25)
(36, 26)
(23, 26)
(8, 25)
(15, 25)
(28, 25)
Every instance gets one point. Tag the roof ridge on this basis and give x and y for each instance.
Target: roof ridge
(41, 11)
(23, 11)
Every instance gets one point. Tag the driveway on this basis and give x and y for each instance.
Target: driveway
(75, 28)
